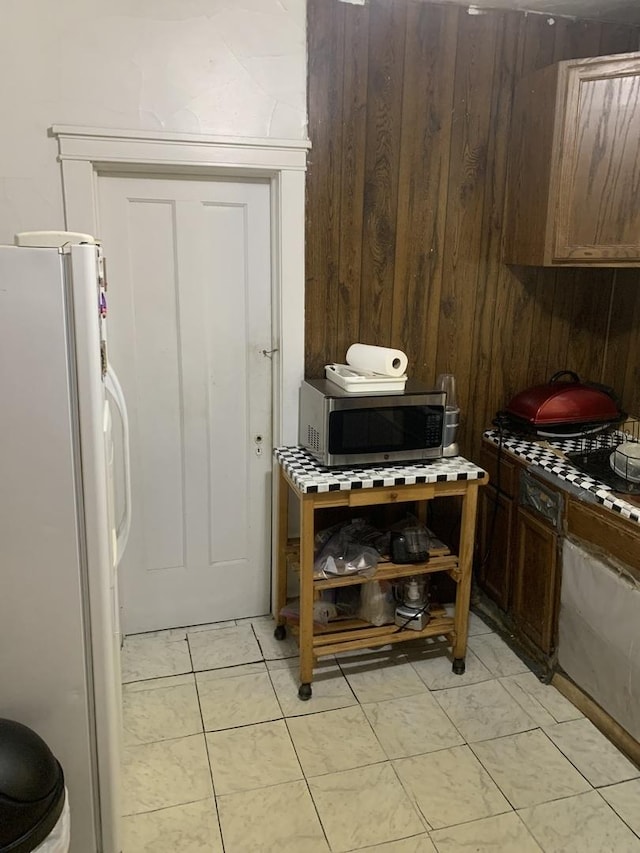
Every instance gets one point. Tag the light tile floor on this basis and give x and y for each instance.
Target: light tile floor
(393, 753)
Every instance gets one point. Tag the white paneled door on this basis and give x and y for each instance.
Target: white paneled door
(189, 264)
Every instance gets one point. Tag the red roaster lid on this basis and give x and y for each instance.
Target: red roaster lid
(563, 402)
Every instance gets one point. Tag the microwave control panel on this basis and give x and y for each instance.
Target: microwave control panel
(434, 421)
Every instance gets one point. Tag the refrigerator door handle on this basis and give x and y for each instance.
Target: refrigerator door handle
(112, 384)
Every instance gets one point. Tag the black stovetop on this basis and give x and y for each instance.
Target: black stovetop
(596, 463)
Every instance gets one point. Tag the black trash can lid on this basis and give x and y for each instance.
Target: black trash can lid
(31, 788)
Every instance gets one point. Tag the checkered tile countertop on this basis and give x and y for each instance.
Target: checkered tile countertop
(546, 459)
(309, 477)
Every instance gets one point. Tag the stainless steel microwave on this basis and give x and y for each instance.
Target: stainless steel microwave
(340, 428)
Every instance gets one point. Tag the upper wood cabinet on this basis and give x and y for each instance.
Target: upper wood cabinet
(574, 166)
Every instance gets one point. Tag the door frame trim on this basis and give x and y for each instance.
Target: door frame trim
(87, 153)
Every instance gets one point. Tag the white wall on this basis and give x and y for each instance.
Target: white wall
(231, 67)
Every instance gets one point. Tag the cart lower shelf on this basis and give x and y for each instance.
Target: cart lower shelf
(354, 634)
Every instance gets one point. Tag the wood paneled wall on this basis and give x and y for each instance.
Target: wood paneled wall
(409, 115)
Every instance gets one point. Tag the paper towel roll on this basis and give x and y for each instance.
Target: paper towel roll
(384, 360)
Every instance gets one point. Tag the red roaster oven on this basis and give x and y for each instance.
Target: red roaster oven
(564, 405)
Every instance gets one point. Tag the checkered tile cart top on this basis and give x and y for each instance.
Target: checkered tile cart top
(310, 477)
(547, 460)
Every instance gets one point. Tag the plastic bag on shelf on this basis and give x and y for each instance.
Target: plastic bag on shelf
(343, 559)
(357, 530)
(348, 551)
(377, 603)
(323, 536)
(323, 611)
(353, 560)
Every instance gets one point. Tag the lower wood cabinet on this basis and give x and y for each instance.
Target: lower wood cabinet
(496, 518)
(517, 561)
(535, 582)
(521, 527)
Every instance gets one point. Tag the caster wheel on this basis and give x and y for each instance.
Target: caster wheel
(458, 666)
(280, 632)
(304, 692)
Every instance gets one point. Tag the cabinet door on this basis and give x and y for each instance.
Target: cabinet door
(503, 473)
(495, 551)
(598, 182)
(534, 594)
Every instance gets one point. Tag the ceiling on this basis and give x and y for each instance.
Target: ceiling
(621, 11)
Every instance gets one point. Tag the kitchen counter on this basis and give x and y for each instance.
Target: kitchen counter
(309, 477)
(565, 589)
(539, 454)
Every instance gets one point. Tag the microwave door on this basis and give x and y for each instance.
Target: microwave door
(384, 433)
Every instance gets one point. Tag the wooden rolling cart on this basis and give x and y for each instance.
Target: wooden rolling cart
(316, 487)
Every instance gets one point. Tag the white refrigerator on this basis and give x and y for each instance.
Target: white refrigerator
(60, 539)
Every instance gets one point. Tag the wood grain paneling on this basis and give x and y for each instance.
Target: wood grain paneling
(410, 110)
(477, 39)
(577, 39)
(624, 337)
(323, 207)
(495, 287)
(354, 135)
(618, 39)
(387, 29)
(540, 44)
(589, 317)
(427, 109)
